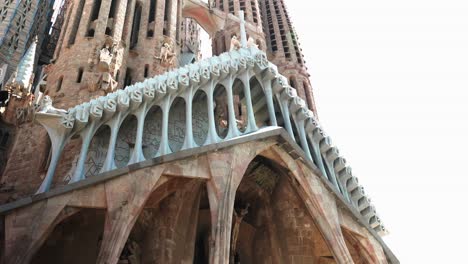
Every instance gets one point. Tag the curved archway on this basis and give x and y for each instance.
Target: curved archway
(152, 132)
(259, 103)
(357, 249)
(75, 240)
(97, 151)
(271, 221)
(221, 110)
(177, 125)
(240, 106)
(125, 141)
(200, 117)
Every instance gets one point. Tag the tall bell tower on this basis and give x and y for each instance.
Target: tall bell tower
(284, 49)
(105, 45)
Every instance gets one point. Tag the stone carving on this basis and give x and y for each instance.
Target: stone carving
(46, 107)
(235, 230)
(105, 58)
(251, 43)
(109, 60)
(167, 55)
(235, 43)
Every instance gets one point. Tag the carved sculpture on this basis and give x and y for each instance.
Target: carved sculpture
(46, 107)
(235, 230)
(107, 82)
(251, 43)
(105, 58)
(235, 43)
(167, 56)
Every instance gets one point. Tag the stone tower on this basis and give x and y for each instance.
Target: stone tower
(112, 43)
(222, 40)
(20, 23)
(284, 49)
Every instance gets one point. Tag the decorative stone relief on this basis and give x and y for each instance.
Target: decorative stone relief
(125, 142)
(176, 126)
(152, 132)
(200, 119)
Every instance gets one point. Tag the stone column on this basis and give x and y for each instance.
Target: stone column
(227, 168)
(126, 198)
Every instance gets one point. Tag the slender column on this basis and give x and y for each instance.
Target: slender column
(251, 125)
(286, 116)
(303, 139)
(59, 137)
(188, 141)
(114, 124)
(270, 103)
(57, 148)
(86, 136)
(165, 107)
(212, 136)
(317, 157)
(233, 131)
(137, 155)
(243, 33)
(331, 173)
(227, 168)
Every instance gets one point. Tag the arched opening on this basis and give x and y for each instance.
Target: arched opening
(355, 244)
(240, 105)
(152, 132)
(200, 117)
(125, 141)
(166, 229)
(75, 240)
(59, 84)
(271, 221)
(259, 103)
(221, 110)
(97, 152)
(176, 126)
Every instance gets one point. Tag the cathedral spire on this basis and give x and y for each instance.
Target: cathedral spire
(25, 68)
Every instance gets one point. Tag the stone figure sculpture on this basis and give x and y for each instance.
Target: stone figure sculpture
(236, 228)
(46, 107)
(167, 55)
(251, 43)
(235, 43)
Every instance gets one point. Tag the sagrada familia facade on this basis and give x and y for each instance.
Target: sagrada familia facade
(120, 143)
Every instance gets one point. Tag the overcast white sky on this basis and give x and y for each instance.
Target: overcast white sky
(390, 81)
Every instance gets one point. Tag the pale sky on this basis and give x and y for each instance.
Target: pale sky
(390, 81)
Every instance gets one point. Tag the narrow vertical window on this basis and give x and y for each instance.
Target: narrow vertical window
(127, 18)
(151, 18)
(146, 70)
(111, 22)
(117, 75)
(79, 77)
(94, 16)
(59, 84)
(166, 17)
(135, 26)
(128, 77)
(76, 23)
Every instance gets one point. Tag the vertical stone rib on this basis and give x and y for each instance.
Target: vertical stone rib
(86, 136)
(251, 123)
(212, 134)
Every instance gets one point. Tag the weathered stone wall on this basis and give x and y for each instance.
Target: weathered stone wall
(300, 239)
